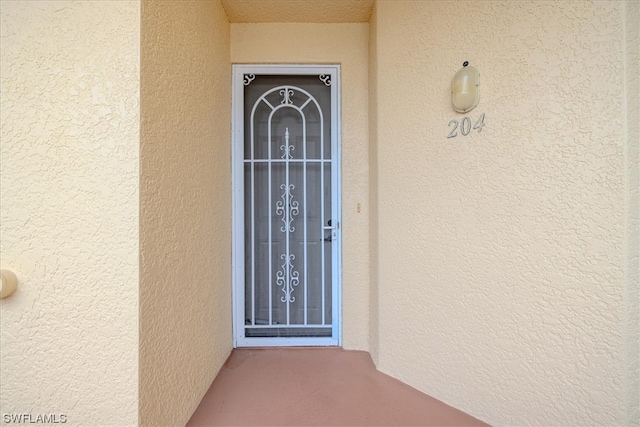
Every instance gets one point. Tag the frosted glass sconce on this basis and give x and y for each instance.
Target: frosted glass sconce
(8, 284)
(465, 89)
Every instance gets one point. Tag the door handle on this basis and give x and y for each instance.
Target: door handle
(330, 225)
(333, 229)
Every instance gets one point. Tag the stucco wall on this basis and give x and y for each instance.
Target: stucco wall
(69, 210)
(347, 45)
(185, 186)
(632, 157)
(502, 253)
(374, 300)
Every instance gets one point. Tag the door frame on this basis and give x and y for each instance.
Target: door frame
(239, 71)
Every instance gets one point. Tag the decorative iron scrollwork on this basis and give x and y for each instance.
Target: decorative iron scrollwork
(287, 207)
(287, 278)
(286, 147)
(325, 78)
(286, 96)
(248, 78)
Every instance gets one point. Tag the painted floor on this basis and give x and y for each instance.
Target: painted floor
(316, 387)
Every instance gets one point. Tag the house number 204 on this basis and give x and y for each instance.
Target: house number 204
(465, 126)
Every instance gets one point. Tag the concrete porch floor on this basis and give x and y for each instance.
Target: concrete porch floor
(316, 386)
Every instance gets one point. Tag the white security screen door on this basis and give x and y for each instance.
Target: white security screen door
(286, 205)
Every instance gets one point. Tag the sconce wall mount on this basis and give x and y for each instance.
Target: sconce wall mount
(465, 89)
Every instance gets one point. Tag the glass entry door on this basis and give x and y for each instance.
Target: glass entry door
(287, 218)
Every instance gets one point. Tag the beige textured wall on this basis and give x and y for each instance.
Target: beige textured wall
(502, 253)
(307, 11)
(344, 44)
(632, 157)
(185, 217)
(69, 209)
(374, 300)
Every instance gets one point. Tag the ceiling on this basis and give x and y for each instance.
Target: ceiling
(319, 11)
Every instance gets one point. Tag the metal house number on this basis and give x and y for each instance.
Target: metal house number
(465, 126)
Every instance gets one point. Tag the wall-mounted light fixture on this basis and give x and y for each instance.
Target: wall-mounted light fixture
(465, 89)
(8, 283)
